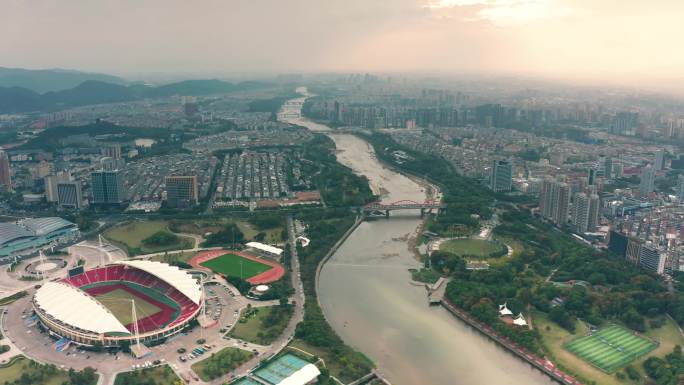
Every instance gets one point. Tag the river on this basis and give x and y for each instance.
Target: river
(367, 297)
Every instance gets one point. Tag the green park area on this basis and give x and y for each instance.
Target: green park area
(221, 363)
(262, 325)
(146, 237)
(261, 228)
(474, 248)
(22, 371)
(557, 340)
(160, 375)
(234, 265)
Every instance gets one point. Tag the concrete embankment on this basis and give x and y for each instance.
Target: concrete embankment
(333, 249)
(544, 365)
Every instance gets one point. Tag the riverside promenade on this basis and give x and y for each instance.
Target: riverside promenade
(543, 364)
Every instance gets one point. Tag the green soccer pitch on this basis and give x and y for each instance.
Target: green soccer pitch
(610, 348)
(234, 265)
(118, 301)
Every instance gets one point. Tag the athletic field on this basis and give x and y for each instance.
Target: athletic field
(236, 266)
(610, 348)
(118, 301)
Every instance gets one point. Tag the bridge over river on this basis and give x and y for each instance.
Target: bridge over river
(405, 205)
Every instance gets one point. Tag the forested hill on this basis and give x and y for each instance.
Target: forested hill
(47, 80)
(18, 99)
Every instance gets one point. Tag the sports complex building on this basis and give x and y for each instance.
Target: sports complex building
(119, 304)
(31, 234)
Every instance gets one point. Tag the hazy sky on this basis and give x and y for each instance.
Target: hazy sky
(637, 41)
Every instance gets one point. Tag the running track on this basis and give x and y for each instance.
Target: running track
(273, 274)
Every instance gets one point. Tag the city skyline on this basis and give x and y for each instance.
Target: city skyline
(577, 41)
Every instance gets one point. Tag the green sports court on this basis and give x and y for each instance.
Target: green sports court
(611, 348)
(235, 265)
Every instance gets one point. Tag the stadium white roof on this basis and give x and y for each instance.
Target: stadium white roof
(74, 307)
(263, 247)
(303, 376)
(181, 280)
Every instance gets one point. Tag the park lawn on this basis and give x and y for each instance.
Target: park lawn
(553, 339)
(118, 302)
(201, 227)
(157, 375)
(171, 257)
(223, 361)
(254, 331)
(18, 366)
(472, 247)
(131, 236)
(234, 265)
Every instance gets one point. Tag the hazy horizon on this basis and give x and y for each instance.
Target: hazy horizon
(626, 43)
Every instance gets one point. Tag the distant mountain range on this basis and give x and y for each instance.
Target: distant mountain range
(20, 99)
(50, 79)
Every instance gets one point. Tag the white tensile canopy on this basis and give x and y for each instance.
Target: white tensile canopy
(503, 310)
(520, 320)
(264, 247)
(76, 308)
(303, 376)
(181, 280)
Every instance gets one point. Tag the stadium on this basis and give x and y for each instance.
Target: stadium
(119, 304)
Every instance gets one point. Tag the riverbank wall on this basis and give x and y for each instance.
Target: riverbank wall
(542, 364)
(360, 218)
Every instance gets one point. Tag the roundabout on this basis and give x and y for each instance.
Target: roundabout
(49, 265)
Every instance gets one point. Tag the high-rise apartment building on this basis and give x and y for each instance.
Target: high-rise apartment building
(554, 201)
(594, 212)
(69, 195)
(112, 151)
(651, 259)
(580, 212)
(625, 123)
(107, 187)
(500, 177)
(181, 191)
(659, 160)
(647, 184)
(606, 165)
(5, 176)
(51, 182)
(680, 188)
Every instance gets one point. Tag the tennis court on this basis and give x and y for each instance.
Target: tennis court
(281, 368)
(611, 348)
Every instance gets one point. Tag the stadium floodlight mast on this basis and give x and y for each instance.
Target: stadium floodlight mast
(41, 268)
(135, 324)
(99, 239)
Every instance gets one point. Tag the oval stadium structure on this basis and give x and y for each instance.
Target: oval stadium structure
(116, 304)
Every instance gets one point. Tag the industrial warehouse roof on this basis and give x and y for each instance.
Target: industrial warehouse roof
(11, 231)
(31, 227)
(181, 280)
(42, 226)
(74, 307)
(263, 247)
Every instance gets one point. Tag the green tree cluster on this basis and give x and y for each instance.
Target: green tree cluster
(161, 238)
(229, 236)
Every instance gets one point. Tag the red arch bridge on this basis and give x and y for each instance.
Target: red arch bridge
(405, 205)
